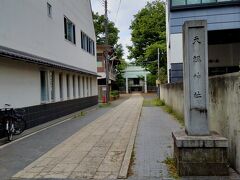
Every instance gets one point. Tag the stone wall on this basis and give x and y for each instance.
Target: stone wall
(172, 94)
(224, 109)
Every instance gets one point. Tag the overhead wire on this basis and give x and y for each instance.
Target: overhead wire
(101, 2)
(119, 4)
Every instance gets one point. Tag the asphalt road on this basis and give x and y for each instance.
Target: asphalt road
(19, 154)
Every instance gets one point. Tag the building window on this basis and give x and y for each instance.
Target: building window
(49, 10)
(68, 87)
(182, 4)
(87, 43)
(44, 86)
(74, 86)
(69, 30)
(83, 84)
(208, 1)
(178, 2)
(193, 1)
(61, 86)
(52, 84)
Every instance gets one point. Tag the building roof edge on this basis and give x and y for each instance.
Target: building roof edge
(30, 58)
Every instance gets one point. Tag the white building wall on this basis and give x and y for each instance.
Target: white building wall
(20, 84)
(70, 86)
(226, 54)
(95, 86)
(64, 86)
(86, 86)
(76, 86)
(81, 87)
(57, 87)
(28, 28)
(90, 86)
(175, 50)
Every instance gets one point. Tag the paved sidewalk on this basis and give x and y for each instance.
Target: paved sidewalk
(153, 144)
(96, 151)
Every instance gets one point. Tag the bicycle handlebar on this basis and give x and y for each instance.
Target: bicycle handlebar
(12, 110)
(6, 109)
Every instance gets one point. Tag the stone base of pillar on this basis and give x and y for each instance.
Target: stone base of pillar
(200, 155)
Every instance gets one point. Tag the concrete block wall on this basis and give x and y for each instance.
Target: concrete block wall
(172, 94)
(224, 109)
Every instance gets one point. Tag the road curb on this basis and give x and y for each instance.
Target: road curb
(123, 173)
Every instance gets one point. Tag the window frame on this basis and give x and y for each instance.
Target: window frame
(202, 5)
(87, 44)
(44, 92)
(66, 21)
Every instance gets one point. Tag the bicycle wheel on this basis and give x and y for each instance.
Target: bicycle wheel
(19, 126)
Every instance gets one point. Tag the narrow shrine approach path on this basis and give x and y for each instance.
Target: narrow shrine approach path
(100, 150)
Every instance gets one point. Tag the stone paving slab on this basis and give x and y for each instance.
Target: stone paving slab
(97, 151)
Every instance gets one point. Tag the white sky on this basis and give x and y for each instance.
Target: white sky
(127, 9)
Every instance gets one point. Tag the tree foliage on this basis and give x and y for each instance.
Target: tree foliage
(148, 34)
(98, 21)
(113, 37)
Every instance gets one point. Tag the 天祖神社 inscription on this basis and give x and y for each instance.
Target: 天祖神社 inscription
(196, 77)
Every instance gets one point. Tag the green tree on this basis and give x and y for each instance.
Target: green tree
(98, 21)
(113, 37)
(120, 67)
(148, 34)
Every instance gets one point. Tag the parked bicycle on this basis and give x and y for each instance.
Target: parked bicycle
(12, 121)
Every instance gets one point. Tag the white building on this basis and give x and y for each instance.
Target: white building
(47, 57)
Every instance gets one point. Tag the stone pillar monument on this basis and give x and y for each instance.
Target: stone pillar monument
(197, 151)
(195, 77)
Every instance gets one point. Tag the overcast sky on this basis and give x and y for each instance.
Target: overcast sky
(123, 19)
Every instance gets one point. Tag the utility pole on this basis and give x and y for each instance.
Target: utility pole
(158, 84)
(106, 51)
